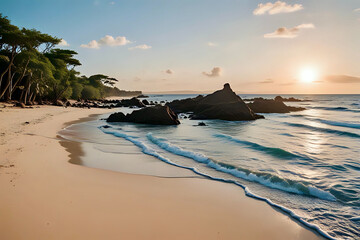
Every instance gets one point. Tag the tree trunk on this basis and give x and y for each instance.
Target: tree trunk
(34, 97)
(21, 96)
(27, 93)
(8, 70)
(21, 77)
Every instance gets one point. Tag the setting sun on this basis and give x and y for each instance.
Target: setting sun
(308, 75)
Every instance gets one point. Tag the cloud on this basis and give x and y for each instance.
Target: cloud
(211, 44)
(107, 41)
(136, 79)
(357, 10)
(284, 32)
(169, 71)
(142, 47)
(63, 43)
(342, 79)
(111, 3)
(269, 80)
(215, 72)
(277, 7)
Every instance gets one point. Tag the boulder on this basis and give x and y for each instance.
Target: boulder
(133, 102)
(223, 104)
(185, 105)
(272, 106)
(291, 99)
(279, 98)
(235, 111)
(145, 102)
(156, 115)
(58, 103)
(20, 104)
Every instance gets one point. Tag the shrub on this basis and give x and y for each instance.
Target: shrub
(90, 93)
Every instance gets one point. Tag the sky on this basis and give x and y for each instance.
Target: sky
(258, 46)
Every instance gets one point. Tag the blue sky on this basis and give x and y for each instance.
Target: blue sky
(179, 33)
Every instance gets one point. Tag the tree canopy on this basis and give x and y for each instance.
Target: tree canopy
(32, 68)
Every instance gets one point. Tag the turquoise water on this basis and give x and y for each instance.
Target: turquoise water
(306, 163)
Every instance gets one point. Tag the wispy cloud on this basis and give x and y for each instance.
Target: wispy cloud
(142, 47)
(63, 43)
(276, 8)
(111, 3)
(215, 72)
(342, 79)
(284, 32)
(266, 81)
(357, 10)
(169, 71)
(107, 41)
(211, 44)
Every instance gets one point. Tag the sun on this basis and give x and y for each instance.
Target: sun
(308, 75)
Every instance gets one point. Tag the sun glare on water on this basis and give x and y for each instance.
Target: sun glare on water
(308, 75)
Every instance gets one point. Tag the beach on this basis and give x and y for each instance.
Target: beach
(43, 196)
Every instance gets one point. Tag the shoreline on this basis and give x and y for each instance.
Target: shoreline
(45, 197)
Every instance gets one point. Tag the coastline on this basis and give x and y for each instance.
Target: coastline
(45, 197)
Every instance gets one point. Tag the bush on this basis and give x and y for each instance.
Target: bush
(76, 90)
(90, 93)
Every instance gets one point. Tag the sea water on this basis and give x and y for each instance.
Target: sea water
(306, 163)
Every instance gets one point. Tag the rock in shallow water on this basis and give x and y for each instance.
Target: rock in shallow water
(157, 115)
(223, 104)
(272, 106)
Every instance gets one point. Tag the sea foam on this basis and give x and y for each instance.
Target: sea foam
(150, 151)
(267, 179)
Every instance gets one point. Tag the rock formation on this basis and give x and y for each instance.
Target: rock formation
(223, 104)
(157, 115)
(272, 106)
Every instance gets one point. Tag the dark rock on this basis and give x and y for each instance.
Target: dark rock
(117, 117)
(106, 126)
(20, 104)
(142, 96)
(253, 99)
(279, 98)
(291, 99)
(157, 115)
(235, 111)
(133, 102)
(201, 124)
(185, 105)
(58, 103)
(145, 102)
(223, 104)
(272, 106)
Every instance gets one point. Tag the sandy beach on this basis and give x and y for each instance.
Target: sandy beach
(43, 196)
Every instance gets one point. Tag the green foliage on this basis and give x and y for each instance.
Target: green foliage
(90, 93)
(32, 66)
(76, 90)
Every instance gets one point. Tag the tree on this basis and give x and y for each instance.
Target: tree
(12, 42)
(64, 63)
(90, 93)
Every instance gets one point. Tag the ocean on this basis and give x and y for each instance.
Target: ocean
(307, 163)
